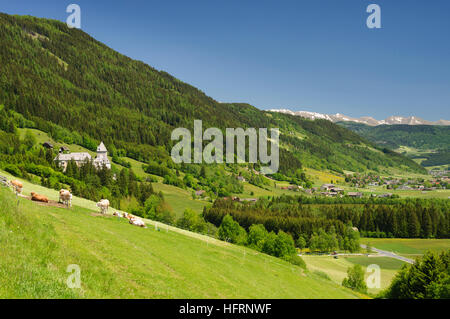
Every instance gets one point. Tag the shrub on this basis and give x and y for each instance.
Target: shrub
(284, 245)
(13, 170)
(192, 221)
(355, 279)
(296, 260)
(231, 231)
(256, 236)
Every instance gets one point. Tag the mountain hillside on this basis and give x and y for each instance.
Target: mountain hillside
(64, 82)
(118, 260)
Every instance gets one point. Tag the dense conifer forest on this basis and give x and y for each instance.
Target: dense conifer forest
(306, 217)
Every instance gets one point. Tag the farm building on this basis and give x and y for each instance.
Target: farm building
(99, 161)
(200, 192)
(336, 190)
(355, 194)
(240, 178)
(327, 187)
(64, 149)
(47, 145)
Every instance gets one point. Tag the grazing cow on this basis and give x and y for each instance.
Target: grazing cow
(17, 186)
(65, 197)
(103, 204)
(117, 214)
(137, 222)
(39, 198)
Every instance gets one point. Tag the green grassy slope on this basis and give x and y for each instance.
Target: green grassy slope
(118, 260)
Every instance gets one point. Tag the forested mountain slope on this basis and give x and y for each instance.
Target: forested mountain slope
(78, 90)
(431, 142)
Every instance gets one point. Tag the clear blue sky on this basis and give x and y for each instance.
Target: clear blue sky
(313, 55)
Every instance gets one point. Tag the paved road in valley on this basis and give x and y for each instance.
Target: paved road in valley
(390, 254)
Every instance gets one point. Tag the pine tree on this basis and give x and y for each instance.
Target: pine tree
(413, 225)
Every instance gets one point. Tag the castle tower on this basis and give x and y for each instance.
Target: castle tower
(102, 156)
(102, 152)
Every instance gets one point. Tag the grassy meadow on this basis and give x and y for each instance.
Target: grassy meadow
(118, 260)
(336, 269)
(408, 247)
(180, 199)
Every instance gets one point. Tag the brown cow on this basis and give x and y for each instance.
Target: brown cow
(17, 186)
(127, 216)
(39, 198)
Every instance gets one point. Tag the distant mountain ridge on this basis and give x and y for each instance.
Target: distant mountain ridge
(392, 120)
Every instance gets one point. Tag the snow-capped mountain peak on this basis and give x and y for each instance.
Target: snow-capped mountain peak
(338, 117)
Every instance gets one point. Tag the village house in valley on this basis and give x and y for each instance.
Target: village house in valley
(99, 161)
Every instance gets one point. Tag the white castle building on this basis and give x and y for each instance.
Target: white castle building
(99, 161)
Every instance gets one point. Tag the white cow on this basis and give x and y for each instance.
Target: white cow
(117, 214)
(137, 222)
(103, 204)
(65, 197)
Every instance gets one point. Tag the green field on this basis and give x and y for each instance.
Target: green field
(252, 191)
(136, 166)
(336, 269)
(439, 193)
(118, 260)
(408, 247)
(320, 177)
(180, 199)
(411, 151)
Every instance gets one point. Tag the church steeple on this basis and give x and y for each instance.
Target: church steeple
(101, 148)
(102, 156)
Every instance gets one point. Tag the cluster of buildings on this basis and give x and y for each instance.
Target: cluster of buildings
(440, 180)
(331, 190)
(241, 200)
(64, 157)
(422, 185)
(443, 173)
(291, 187)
